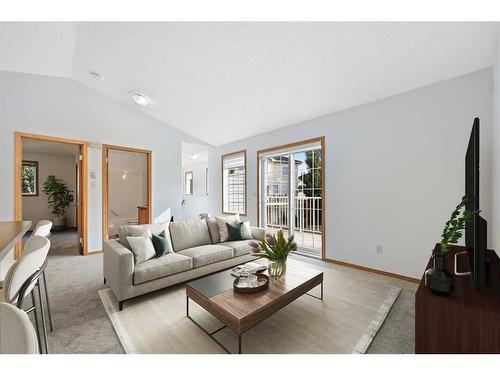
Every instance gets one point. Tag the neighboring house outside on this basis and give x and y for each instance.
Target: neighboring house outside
(278, 170)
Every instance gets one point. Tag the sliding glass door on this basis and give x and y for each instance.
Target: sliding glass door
(290, 196)
(307, 201)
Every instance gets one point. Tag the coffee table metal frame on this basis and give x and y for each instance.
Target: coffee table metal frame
(211, 334)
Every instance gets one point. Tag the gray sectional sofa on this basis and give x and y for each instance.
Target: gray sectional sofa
(197, 251)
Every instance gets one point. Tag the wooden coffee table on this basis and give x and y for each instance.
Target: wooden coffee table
(240, 312)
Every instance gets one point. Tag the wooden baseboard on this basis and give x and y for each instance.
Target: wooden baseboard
(373, 270)
(94, 252)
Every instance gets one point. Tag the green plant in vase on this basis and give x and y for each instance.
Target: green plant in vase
(438, 279)
(59, 199)
(453, 228)
(276, 249)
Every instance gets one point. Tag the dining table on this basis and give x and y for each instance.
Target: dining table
(11, 232)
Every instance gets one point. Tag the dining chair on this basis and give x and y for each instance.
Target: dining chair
(42, 229)
(17, 334)
(22, 278)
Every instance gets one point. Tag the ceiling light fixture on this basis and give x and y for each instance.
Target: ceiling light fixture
(194, 156)
(140, 99)
(97, 75)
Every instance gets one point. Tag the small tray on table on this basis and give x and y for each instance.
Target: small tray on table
(262, 283)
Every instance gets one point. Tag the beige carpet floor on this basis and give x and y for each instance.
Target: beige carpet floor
(353, 309)
(81, 324)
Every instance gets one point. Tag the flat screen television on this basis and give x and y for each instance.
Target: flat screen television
(476, 229)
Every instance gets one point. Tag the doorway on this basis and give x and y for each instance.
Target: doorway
(126, 188)
(196, 181)
(291, 189)
(42, 164)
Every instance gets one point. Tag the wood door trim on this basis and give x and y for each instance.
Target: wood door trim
(244, 152)
(321, 140)
(18, 202)
(105, 182)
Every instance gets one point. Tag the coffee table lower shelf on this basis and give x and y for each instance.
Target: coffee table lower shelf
(240, 334)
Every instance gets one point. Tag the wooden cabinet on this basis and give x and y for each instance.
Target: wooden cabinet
(464, 322)
(143, 215)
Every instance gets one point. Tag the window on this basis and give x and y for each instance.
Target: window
(29, 178)
(188, 183)
(234, 178)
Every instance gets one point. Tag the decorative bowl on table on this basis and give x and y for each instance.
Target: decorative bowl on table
(245, 286)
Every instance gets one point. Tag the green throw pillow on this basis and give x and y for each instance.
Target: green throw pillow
(234, 231)
(160, 244)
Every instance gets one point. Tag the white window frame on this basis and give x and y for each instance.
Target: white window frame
(226, 194)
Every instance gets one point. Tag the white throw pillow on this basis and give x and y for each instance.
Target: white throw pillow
(246, 232)
(142, 247)
(137, 231)
(221, 223)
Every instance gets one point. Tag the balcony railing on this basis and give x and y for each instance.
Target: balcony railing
(307, 218)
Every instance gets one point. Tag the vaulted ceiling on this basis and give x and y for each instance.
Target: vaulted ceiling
(221, 82)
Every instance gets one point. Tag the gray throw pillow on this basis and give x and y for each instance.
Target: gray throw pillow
(161, 244)
(221, 222)
(234, 231)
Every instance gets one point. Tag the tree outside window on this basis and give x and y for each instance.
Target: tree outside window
(29, 178)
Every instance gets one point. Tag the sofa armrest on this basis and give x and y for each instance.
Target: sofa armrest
(118, 263)
(258, 233)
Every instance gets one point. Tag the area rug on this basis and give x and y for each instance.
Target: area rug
(346, 321)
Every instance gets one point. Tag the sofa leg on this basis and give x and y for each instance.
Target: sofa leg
(120, 305)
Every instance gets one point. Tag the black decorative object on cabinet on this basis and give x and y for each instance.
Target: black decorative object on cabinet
(438, 279)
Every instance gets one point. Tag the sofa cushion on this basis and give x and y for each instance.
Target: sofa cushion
(239, 247)
(234, 232)
(246, 231)
(129, 231)
(160, 244)
(221, 223)
(213, 228)
(135, 231)
(142, 247)
(163, 266)
(203, 255)
(187, 234)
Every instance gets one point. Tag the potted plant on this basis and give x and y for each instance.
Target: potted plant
(438, 279)
(276, 249)
(59, 199)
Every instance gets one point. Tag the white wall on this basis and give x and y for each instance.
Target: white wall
(494, 224)
(61, 107)
(35, 208)
(394, 170)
